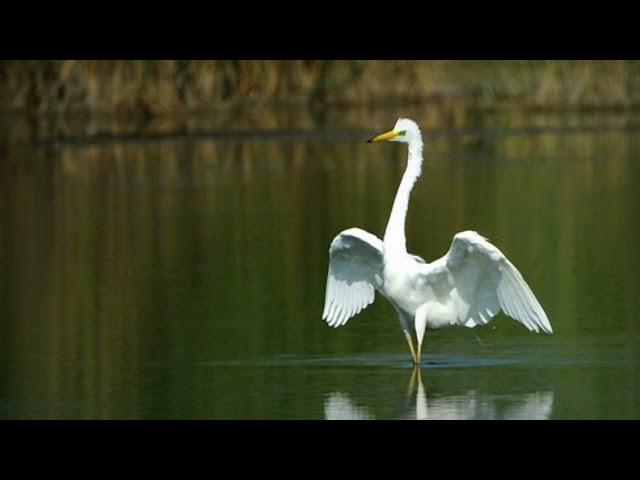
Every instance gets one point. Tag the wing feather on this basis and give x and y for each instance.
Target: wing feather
(475, 280)
(355, 258)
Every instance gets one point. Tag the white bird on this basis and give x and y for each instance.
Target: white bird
(466, 287)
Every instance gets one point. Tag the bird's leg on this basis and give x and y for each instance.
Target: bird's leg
(421, 326)
(404, 324)
(407, 335)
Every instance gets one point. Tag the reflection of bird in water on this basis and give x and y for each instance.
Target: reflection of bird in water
(339, 406)
(416, 409)
(474, 405)
(469, 406)
(466, 287)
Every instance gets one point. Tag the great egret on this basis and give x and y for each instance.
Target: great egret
(467, 287)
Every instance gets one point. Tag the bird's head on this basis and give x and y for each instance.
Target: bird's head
(405, 130)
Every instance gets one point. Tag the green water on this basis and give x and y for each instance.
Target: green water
(177, 277)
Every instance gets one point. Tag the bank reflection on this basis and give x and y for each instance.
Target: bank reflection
(472, 405)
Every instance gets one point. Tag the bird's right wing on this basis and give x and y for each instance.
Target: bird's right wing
(355, 271)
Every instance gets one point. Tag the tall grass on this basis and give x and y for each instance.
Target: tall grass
(155, 87)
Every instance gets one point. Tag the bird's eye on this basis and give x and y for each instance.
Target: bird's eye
(402, 132)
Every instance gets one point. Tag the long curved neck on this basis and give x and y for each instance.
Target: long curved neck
(394, 238)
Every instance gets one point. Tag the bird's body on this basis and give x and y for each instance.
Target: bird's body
(467, 287)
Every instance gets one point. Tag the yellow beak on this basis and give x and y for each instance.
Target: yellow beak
(384, 136)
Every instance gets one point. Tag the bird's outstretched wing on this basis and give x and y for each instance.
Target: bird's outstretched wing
(474, 280)
(355, 270)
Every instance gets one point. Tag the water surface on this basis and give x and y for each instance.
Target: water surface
(183, 276)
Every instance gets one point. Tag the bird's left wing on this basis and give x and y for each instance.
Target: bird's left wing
(474, 280)
(355, 270)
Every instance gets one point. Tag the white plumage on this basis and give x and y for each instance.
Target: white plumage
(467, 287)
(356, 260)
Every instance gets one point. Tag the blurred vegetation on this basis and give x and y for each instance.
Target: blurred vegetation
(156, 87)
